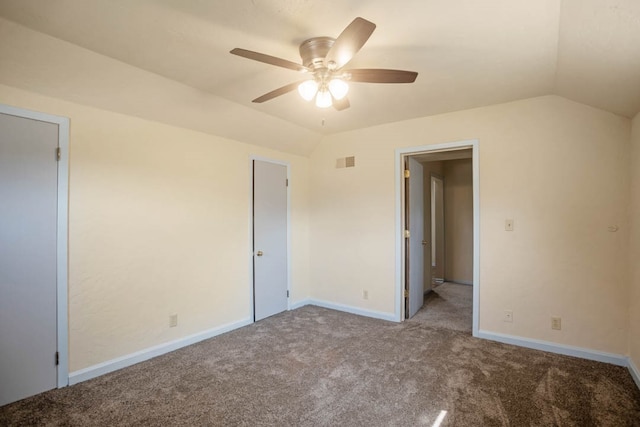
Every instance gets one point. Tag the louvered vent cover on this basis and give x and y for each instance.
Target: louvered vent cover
(346, 162)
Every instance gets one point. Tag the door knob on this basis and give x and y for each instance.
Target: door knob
(259, 253)
(424, 243)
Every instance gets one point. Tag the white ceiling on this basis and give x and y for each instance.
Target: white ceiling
(468, 53)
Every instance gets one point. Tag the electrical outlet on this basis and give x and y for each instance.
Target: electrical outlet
(508, 225)
(365, 294)
(508, 316)
(556, 323)
(173, 320)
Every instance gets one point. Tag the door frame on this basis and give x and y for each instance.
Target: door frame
(252, 158)
(431, 226)
(400, 155)
(62, 256)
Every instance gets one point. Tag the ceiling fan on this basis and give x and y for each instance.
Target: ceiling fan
(323, 59)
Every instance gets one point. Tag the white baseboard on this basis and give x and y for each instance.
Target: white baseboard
(299, 304)
(460, 282)
(148, 353)
(567, 350)
(634, 371)
(349, 309)
(151, 352)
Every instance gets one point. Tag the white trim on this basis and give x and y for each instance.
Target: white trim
(567, 350)
(399, 276)
(459, 282)
(634, 371)
(475, 161)
(300, 303)
(252, 158)
(353, 310)
(250, 237)
(151, 352)
(507, 339)
(400, 154)
(62, 234)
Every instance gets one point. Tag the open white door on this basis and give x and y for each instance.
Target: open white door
(28, 257)
(269, 239)
(415, 258)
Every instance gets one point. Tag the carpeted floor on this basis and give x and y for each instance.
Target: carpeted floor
(319, 367)
(448, 306)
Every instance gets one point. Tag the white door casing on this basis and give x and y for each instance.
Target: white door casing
(33, 227)
(270, 260)
(437, 228)
(400, 255)
(416, 236)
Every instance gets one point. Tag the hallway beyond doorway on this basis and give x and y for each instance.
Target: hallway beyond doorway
(448, 306)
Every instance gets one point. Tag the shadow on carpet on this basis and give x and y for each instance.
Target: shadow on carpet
(318, 367)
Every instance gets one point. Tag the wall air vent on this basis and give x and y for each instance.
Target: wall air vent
(346, 162)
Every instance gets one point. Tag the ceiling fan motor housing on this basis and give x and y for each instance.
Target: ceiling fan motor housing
(314, 50)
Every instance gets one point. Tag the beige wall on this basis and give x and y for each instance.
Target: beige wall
(158, 224)
(558, 168)
(49, 66)
(159, 214)
(634, 252)
(458, 220)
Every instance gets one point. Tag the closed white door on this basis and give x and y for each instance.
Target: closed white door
(416, 236)
(269, 239)
(28, 220)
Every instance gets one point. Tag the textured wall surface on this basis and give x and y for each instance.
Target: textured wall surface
(458, 221)
(634, 252)
(158, 225)
(558, 168)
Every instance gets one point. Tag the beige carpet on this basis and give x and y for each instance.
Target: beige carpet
(319, 367)
(448, 306)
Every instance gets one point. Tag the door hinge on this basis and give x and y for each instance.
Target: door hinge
(407, 234)
(287, 294)
(58, 154)
(287, 182)
(407, 174)
(57, 358)
(406, 293)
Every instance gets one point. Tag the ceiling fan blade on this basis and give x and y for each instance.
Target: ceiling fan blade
(348, 43)
(274, 93)
(341, 104)
(379, 75)
(268, 59)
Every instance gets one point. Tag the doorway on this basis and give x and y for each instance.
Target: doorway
(33, 253)
(270, 237)
(403, 249)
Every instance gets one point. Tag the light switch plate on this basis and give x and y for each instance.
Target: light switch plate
(508, 225)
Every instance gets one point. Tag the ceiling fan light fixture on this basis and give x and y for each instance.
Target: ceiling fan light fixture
(323, 99)
(324, 60)
(308, 89)
(338, 88)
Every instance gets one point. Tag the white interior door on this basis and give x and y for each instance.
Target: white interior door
(269, 239)
(416, 236)
(437, 228)
(28, 244)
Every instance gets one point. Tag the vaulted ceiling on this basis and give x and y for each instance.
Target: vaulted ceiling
(468, 53)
